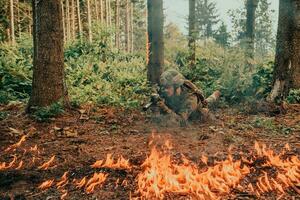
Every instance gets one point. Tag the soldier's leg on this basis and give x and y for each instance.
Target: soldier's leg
(213, 98)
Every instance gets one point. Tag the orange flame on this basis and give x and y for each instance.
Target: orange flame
(121, 163)
(64, 195)
(161, 176)
(18, 144)
(46, 165)
(20, 165)
(63, 181)
(81, 183)
(96, 180)
(46, 184)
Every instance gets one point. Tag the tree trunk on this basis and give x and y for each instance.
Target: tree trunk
(63, 20)
(79, 20)
(18, 18)
(109, 13)
(68, 20)
(101, 12)
(127, 39)
(29, 22)
(250, 30)
(97, 11)
(106, 12)
(287, 60)
(117, 24)
(192, 32)
(12, 22)
(89, 21)
(48, 62)
(131, 26)
(73, 19)
(156, 40)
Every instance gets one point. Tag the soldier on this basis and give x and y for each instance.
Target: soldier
(180, 100)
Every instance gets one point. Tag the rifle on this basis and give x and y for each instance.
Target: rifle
(158, 101)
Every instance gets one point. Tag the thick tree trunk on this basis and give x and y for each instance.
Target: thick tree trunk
(250, 30)
(127, 37)
(48, 64)
(287, 60)
(89, 21)
(12, 22)
(79, 20)
(155, 33)
(117, 24)
(192, 32)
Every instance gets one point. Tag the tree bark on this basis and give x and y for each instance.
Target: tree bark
(97, 11)
(12, 22)
(117, 24)
(63, 20)
(68, 20)
(287, 60)
(79, 20)
(155, 34)
(101, 12)
(127, 38)
(192, 32)
(48, 62)
(109, 13)
(73, 19)
(131, 26)
(250, 30)
(89, 21)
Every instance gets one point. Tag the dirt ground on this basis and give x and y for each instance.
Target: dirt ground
(80, 137)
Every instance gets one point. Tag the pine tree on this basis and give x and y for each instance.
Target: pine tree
(206, 13)
(192, 32)
(222, 36)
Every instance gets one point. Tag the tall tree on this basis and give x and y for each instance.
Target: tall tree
(131, 26)
(48, 62)
(250, 28)
(12, 22)
(89, 18)
(127, 29)
(156, 41)
(207, 17)
(79, 20)
(287, 59)
(73, 32)
(68, 21)
(192, 32)
(117, 24)
(222, 35)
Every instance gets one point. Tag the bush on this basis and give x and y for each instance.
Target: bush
(44, 114)
(294, 96)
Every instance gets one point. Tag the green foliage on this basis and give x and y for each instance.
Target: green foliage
(264, 122)
(222, 36)
(294, 96)
(206, 15)
(44, 114)
(224, 70)
(3, 115)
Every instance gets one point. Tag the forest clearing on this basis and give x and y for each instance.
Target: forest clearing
(112, 99)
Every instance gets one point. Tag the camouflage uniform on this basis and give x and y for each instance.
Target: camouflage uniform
(189, 105)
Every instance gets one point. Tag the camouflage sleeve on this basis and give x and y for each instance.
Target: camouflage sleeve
(190, 105)
(195, 89)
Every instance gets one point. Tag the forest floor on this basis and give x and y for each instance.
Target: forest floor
(80, 137)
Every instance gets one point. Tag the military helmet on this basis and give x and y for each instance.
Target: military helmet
(171, 77)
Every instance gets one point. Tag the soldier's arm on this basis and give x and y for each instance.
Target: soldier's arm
(195, 89)
(189, 106)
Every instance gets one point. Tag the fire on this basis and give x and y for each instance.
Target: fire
(3, 165)
(81, 183)
(46, 165)
(288, 170)
(34, 149)
(64, 195)
(97, 180)
(162, 176)
(20, 165)
(46, 184)
(18, 144)
(63, 181)
(121, 163)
